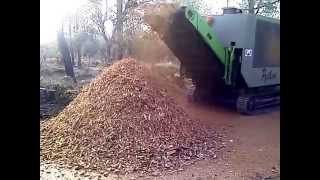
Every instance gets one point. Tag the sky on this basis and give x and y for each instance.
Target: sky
(51, 15)
(53, 11)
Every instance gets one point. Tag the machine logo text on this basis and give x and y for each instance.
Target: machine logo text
(248, 52)
(268, 75)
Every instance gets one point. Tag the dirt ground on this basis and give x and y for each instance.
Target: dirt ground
(252, 149)
(253, 146)
(53, 73)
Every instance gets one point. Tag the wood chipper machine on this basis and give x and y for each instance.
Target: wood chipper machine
(232, 58)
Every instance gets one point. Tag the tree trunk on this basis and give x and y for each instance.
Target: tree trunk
(119, 28)
(71, 46)
(41, 62)
(64, 50)
(79, 57)
(105, 59)
(259, 4)
(108, 51)
(44, 58)
(251, 6)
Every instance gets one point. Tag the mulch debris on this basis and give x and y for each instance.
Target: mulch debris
(123, 123)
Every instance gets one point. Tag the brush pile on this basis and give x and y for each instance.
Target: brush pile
(122, 123)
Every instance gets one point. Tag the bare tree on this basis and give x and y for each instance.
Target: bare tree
(64, 50)
(78, 43)
(119, 29)
(70, 42)
(42, 56)
(269, 8)
(79, 27)
(119, 19)
(99, 19)
(251, 6)
(91, 20)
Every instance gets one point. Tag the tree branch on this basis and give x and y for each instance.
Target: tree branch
(264, 5)
(259, 4)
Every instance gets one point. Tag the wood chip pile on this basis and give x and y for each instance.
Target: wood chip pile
(122, 122)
